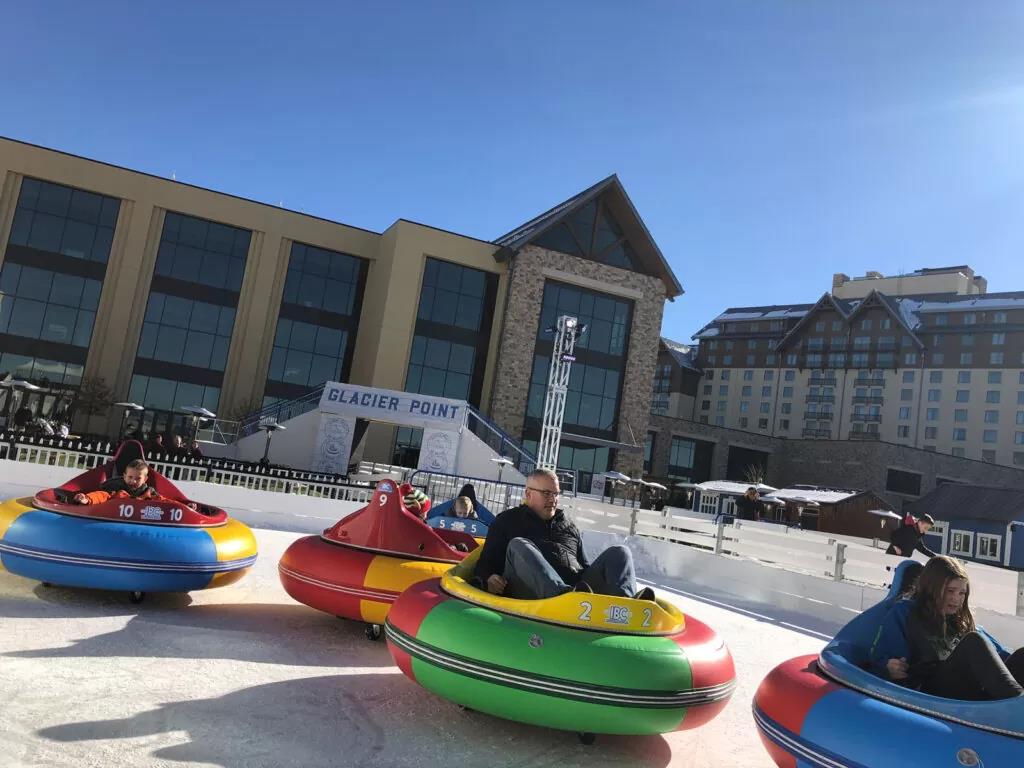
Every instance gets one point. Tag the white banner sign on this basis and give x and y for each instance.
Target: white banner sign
(333, 443)
(439, 451)
(403, 408)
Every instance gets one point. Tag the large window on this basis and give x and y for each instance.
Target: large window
(317, 321)
(62, 220)
(680, 461)
(187, 332)
(204, 252)
(53, 270)
(449, 346)
(51, 306)
(593, 233)
(900, 481)
(190, 314)
(595, 379)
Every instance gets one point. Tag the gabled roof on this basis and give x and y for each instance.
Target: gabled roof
(892, 305)
(826, 299)
(650, 256)
(733, 314)
(685, 355)
(960, 501)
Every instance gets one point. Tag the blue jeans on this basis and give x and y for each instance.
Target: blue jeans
(531, 577)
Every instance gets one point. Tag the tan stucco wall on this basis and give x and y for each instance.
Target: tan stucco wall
(387, 320)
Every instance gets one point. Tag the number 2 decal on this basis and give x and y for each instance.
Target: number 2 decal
(647, 618)
(585, 613)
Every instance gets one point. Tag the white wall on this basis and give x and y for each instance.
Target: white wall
(474, 460)
(290, 447)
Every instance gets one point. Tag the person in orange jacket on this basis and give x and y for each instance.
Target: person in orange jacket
(132, 485)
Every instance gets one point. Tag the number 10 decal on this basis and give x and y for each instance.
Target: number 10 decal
(125, 510)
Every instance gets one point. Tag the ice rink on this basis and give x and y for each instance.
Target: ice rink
(244, 676)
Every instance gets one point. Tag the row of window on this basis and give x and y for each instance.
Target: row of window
(860, 359)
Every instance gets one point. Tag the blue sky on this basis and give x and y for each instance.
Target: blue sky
(766, 143)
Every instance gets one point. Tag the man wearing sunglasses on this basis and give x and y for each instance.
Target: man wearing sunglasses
(534, 551)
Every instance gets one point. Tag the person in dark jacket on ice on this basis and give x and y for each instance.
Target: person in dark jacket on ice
(907, 536)
(534, 552)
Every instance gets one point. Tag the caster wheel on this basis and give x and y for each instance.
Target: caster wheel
(587, 738)
(373, 632)
(136, 597)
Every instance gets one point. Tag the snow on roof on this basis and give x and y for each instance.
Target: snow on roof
(829, 496)
(967, 303)
(724, 486)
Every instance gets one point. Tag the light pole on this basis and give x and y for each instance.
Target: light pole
(502, 462)
(567, 331)
(270, 427)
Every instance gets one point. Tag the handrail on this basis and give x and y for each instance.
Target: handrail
(249, 424)
(525, 461)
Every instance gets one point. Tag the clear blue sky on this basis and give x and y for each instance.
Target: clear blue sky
(767, 144)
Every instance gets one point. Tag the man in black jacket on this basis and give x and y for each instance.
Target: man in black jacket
(907, 537)
(533, 551)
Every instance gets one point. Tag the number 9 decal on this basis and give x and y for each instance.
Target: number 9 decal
(383, 499)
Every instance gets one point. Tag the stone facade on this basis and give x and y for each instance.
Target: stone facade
(529, 270)
(861, 465)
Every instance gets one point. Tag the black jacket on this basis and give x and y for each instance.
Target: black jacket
(748, 509)
(907, 538)
(558, 539)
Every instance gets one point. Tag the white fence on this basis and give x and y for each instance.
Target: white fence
(301, 484)
(793, 549)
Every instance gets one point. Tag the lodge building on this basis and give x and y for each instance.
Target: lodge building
(150, 290)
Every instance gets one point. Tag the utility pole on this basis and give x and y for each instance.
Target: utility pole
(566, 332)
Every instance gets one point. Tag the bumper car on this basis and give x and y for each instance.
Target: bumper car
(830, 710)
(578, 662)
(125, 544)
(441, 516)
(356, 568)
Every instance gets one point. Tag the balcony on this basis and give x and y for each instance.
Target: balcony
(853, 435)
(818, 415)
(872, 382)
(819, 433)
(822, 381)
(820, 399)
(871, 418)
(868, 400)
(886, 347)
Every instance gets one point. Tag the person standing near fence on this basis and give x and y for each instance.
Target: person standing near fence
(748, 507)
(907, 536)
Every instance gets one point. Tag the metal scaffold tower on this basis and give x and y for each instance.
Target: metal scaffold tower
(567, 331)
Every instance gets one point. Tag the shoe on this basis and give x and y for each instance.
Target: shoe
(582, 586)
(644, 594)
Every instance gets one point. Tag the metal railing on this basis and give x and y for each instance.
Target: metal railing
(817, 433)
(499, 440)
(280, 412)
(494, 495)
(819, 415)
(820, 399)
(869, 382)
(870, 417)
(219, 432)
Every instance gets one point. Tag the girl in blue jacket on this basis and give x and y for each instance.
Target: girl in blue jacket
(930, 642)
